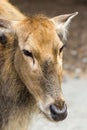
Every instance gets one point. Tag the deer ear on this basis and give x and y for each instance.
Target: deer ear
(62, 23)
(6, 26)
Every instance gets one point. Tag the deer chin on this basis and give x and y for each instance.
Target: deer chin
(44, 108)
(45, 111)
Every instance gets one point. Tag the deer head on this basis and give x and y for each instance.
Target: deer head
(38, 59)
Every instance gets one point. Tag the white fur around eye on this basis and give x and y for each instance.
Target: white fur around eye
(59, 61)
(33, 65)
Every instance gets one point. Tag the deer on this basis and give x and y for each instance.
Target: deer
(31, 58)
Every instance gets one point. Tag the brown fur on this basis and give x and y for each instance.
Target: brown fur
(28, 84)
(11, 97)
(16, 84)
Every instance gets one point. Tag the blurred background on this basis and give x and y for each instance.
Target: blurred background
(75, 54)
(75, 59)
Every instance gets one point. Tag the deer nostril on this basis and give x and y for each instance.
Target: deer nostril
(58, 114)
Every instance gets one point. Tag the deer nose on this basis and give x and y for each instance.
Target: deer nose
(57, 113)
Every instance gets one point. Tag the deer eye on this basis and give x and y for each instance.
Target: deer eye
(61, 49)
(27, 53)
(3, 39)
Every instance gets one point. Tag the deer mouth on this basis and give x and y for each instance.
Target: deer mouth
(53, 113)
(58, 114)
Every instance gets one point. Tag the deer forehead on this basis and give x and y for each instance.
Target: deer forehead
(38, 35)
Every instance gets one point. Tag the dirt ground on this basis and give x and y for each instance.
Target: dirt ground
(75, 54)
